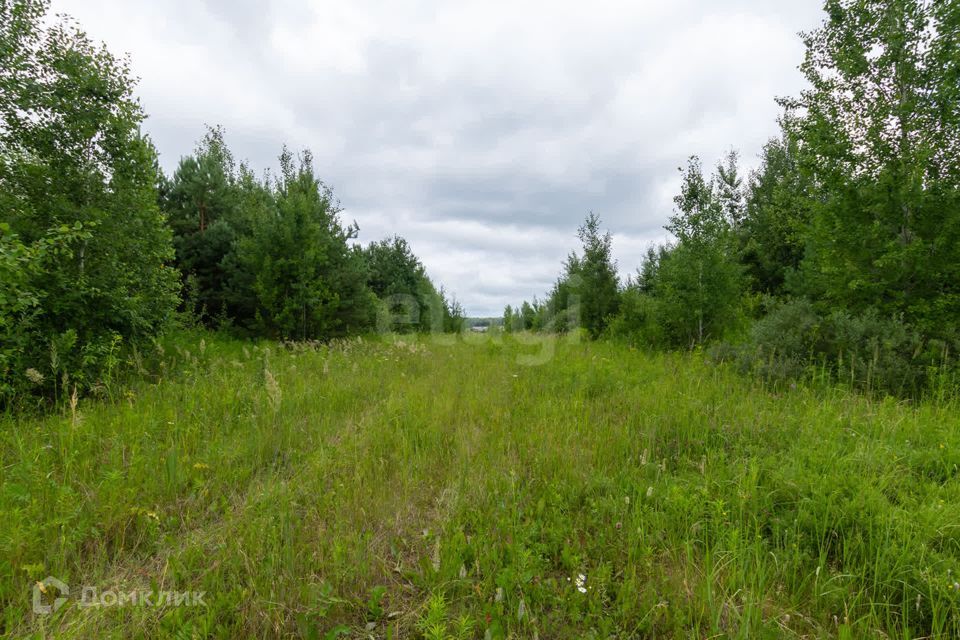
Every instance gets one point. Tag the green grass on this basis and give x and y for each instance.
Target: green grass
(395, 489)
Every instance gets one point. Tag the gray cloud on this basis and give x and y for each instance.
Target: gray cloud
(483, 132)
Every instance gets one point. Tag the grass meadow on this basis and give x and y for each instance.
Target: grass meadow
(483, 487)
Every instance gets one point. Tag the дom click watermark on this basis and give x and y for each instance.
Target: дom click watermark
(50, 594)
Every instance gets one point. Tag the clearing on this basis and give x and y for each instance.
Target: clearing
(403, 488)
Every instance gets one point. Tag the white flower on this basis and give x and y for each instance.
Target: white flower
(581, 583)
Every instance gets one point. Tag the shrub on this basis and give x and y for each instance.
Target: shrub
(866, 351)
(635, 322)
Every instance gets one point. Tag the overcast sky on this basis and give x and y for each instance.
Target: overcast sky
(483, 132)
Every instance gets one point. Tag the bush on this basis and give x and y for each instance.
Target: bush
(866, 351)
(888, 354)
(635, 322)
(783, 344)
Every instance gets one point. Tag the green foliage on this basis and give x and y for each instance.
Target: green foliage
(857, 207)
(202, 203)
(271, 257)
(84, 246)
(696, 294)
(21, 303)
(729, 189)
(309, 283)
(523, 318)
(586, 295)
(869, 352)
(560, 312)
(409, 300)
(527, 315)
(637, 320)
(596, 271)
(877, 132)
(454, 315)
(772, 235)
(691, 292)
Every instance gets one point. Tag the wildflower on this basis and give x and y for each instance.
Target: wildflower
(581, 583)
(626, 499)
(649, 492)
(199, 466)
(34, 376)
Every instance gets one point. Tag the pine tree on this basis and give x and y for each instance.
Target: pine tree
(599, 283)
(309, 283)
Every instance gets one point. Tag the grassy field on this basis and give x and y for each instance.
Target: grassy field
(389, 488)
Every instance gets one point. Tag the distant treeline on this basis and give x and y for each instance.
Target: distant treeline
(99, 250)
(270, 257)
(840, 255)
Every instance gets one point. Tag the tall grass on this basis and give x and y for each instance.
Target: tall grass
(397, 489)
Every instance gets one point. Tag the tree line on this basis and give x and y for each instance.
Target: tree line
(840, 254)
(270, 256)
(100, 251)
